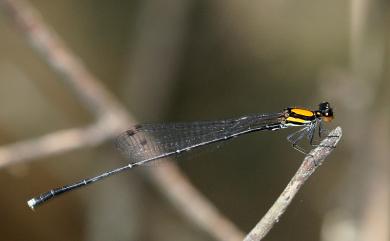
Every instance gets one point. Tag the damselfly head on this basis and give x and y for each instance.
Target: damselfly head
(325, 112)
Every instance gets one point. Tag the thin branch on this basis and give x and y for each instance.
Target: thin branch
(45, 41)
(311, 162)
(55, 143)
(111, 118)
(193, 204)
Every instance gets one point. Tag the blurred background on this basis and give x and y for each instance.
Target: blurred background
(184, 60)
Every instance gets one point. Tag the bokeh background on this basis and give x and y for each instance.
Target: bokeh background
(184, 60)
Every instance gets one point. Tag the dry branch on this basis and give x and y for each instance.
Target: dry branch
(311, 162)
(111, 118)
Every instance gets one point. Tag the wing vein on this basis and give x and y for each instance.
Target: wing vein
(148, 142)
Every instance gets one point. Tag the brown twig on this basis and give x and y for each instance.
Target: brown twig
(204, 215)
(57, 142)
(111, 118)
(51, 48)
(311, 162)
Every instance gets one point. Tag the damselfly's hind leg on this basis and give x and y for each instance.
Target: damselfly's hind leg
(296, 137)
(308, 132)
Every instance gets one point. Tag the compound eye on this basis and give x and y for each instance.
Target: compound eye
(324, 106)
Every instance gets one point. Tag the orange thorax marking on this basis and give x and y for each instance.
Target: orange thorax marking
(302, 112)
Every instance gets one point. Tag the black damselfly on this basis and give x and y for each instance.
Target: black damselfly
(148, 142)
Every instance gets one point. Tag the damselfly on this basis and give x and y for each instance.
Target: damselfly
(145, 143)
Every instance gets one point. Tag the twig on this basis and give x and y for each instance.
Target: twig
(193, 204)
(111, 118)
(311, 162)
(51, 48)
(56, 142)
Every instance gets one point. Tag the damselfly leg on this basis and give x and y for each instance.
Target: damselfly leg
(297, 136)
(309, 132)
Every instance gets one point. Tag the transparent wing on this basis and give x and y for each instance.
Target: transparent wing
(147, 142)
